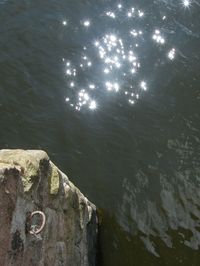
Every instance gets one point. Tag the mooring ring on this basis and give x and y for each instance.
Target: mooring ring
(37, 231)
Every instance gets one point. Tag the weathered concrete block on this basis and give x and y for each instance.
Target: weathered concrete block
(29, 182)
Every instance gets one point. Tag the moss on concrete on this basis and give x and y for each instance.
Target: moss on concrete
(27, 160)
(54, 180)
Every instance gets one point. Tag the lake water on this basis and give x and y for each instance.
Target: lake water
(111, 91)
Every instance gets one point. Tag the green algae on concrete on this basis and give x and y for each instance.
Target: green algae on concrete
(54, 180)
(28, 161)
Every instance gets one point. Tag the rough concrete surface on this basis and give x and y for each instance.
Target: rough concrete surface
(29, 182)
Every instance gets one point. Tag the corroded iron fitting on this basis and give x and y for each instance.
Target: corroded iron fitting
(34, 230)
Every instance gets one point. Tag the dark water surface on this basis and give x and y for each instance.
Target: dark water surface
(111, 91)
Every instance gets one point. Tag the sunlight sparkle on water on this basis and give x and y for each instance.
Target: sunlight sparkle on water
(140, 13)
(106, 71)
(157, 37)
(92, 86)
(119, 6)
(112, 60)
(68, 72)
(131, 101)
(171, 54)
(112, 86)
(72, 84)
(133, 71)
(86, 23)
(92, 105)
(110, 14)
(143, 85)
(186, 3)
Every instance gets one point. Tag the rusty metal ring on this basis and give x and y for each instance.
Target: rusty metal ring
(35, 232)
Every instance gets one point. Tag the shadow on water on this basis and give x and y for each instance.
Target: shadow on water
(121, 248)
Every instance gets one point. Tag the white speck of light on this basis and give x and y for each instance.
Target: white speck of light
(134, 33)
(86, 23)
(116, 86)
(108, 60)
(92, 105)
(131, 101)
(118, 65)
(164, 17)
(131, 58)
(186, 3)
(68, 72)
(86, 96)
(162, 41)
(64, 22)
(108, 85)
(143, 85)
(102, 53)
(81, 94)
(89, 64)
(171, 54)
(140, 13)
(67, 99)
(72, 84)
(157, 37)
(74, 72)
(106, 71)
(112, 86)
(133, 70)
(92, 86)
(110, 14)
(113, 38)
(130, 12)
(119, 6)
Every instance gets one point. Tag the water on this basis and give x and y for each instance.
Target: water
(111, 91)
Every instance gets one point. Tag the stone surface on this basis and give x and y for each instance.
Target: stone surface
(29, 182)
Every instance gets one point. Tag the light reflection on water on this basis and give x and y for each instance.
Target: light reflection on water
(178, 210)
(111, 60)
(117, 57)
(186, 3)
